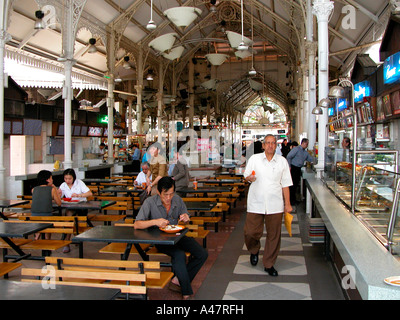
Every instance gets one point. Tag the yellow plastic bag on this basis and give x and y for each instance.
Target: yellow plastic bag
(288, 218)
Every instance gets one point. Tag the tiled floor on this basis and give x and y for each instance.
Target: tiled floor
(232, 277)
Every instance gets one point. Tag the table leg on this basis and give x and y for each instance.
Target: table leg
(141, 252)
(22, 255)
(2, 215)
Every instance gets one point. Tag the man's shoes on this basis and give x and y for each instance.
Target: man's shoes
(174, 287)
(254, 259)
(271, 271)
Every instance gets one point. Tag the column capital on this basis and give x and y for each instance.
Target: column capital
(322, 9)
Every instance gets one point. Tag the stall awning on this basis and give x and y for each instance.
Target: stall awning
(29, 70)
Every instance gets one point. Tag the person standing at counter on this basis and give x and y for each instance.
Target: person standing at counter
(75, 189)
(285, 148)
(268, 198)
(158, 167)
(180, 174)
(296, 158)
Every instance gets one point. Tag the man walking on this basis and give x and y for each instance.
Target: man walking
(267, 200)
(296, 158)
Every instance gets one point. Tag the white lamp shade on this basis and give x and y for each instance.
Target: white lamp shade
(255, 85)
(164, 42)
(243, 54)
(216, 59)
(182, 16)
(175, 53)
(236, 38)
(210, 84)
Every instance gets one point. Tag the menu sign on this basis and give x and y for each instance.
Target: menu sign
(395, 102)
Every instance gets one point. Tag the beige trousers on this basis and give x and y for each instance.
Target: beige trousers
(253, 231)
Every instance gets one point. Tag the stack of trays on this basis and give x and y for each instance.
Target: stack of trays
(316, 233)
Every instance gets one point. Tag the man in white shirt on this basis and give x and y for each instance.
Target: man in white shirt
(268, 198)
(142, 176)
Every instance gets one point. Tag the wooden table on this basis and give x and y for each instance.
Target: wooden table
(206, 190)
(222, 182)
(8, 204)
(19, 230)
(200, 205)
(98, 181)
(122, 189)
(130, 236)
(127, 174)
(15, 290)
(84, 205)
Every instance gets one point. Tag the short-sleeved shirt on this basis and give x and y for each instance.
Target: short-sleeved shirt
(78, 187)
(141, 178)
(152, 208)
(158, 167)
(265, 195)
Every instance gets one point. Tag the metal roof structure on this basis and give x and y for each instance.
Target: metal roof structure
(276, 28)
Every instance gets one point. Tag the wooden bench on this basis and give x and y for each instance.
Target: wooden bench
(155, 278)
(102, 279)
(6, 267)
(222, 207)
(207, 220)
(61, 224)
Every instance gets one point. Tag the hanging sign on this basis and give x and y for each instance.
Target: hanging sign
(361, 91)
(391, 69)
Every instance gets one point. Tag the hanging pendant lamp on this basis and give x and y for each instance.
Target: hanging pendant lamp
(235, 39)
(182, 16)
(174, 53)
(164, 42)
(216, 59)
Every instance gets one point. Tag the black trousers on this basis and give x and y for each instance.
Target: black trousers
(296, 177)
(185, 272)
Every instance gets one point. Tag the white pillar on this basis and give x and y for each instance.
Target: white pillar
(110, 113)
(322, 9)
(5, 9)
(310, 53)
(67, 115)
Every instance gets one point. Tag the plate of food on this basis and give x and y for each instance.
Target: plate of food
(393, 281)
(171, 228)
(70, 200)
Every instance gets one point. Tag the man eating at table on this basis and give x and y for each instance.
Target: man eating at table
(167, 208)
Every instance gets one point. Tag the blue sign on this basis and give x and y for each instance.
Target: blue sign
(361, 91)
(391, 69)
(341, 104)
(331, 112)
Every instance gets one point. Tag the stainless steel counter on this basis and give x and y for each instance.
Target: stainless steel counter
(357, 246)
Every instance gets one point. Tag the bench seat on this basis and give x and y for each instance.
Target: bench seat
(6, 267)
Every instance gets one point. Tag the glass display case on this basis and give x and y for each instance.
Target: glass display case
(372, 196)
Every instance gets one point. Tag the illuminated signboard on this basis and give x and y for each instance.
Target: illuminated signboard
(361, 91)
(341, 104)
(103, 119)
(391, 69)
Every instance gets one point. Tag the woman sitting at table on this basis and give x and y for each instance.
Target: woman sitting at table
(75, 189)
(167, 208)
(43, 196)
